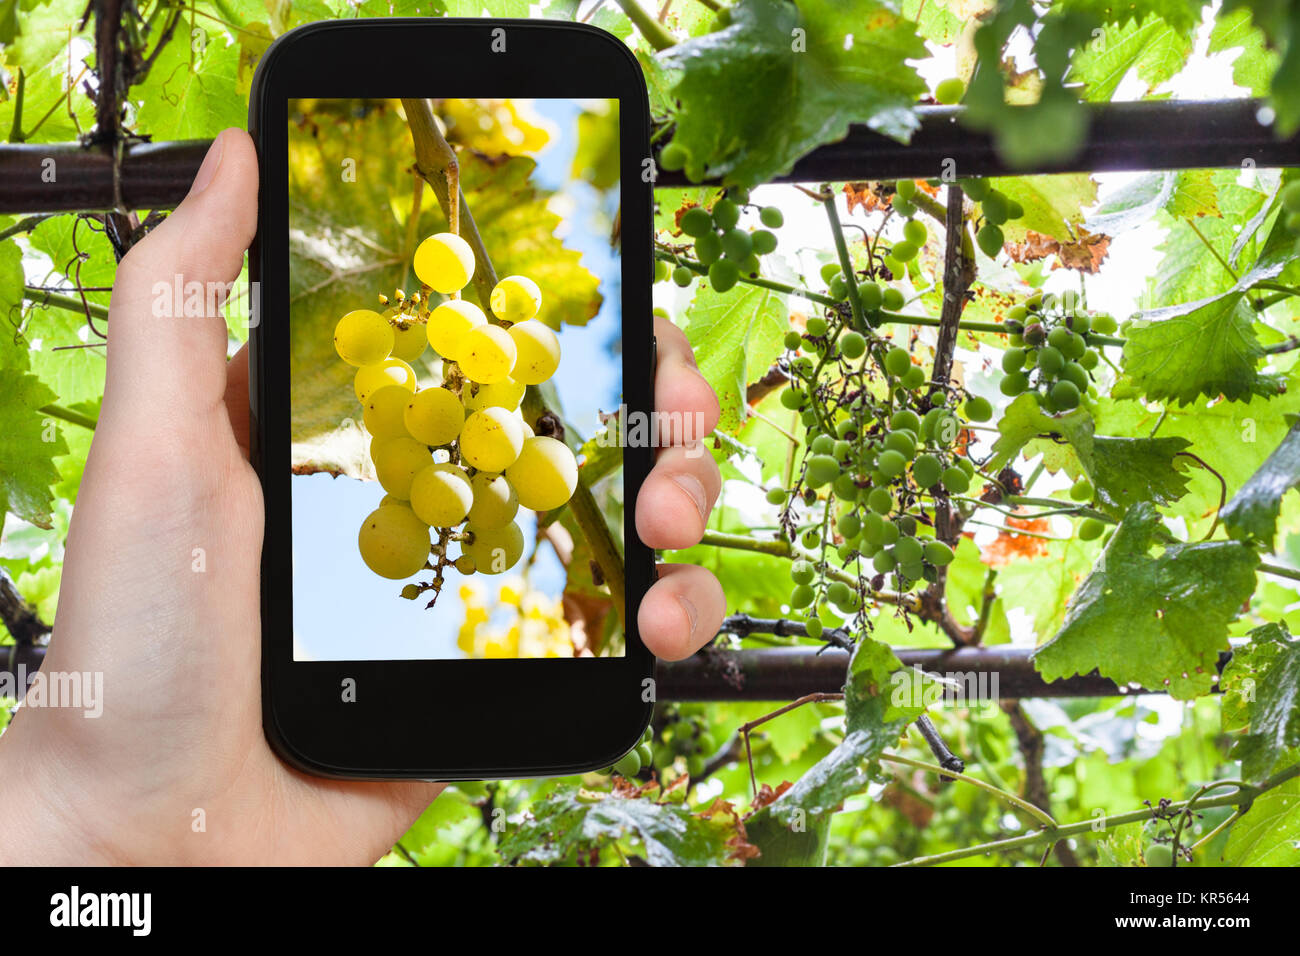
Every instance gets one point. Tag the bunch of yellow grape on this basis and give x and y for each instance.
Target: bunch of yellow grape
(535, 626)
(460, 452)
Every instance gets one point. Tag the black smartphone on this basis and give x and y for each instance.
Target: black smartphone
(452, 337)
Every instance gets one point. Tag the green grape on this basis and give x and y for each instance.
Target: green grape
(892, 299)
(845, 488)
(695, 222)
(822, 444)
(751, 266)
(994, 208)
(495, 503)
(1078, 323)
(496, 550)
(1065, 395)
(955, 481)
(384, 411)
(938, 553)
(726, 214)
(737, 244)
(870, 297)
(801, 596)
(978, 409)
(764, 242)
(880, 500)
(927, 469)
(822, 470)
(1059, 337)
(695, 765)
(433, 416)
(949, 91)
(901, 441)
(708, 248)
(682, 277)
(838, 593)
(1104, 324)
(441, 495)
(1091, 528)
(793, 340)
(1035, 334)
(630, 763)
(1017, 313)
(873, 527)
(662, 271)
(674, 157)
(891, 463)
(1013, 360)
(1290, 196)
(507, 395)
(723, 275)
(976, 189)
(491, 439)
(537, 351)
(905, 419)
(1081, 490)
(411, 591)
(814, 628)
(903, 207)
(849, 524)
(544, 475)
(391, 371)
(884, 561)
(838, 287)
(915, 233)
(444, 262)
(448, 325)
(397, 461)
(1158, 854)
(776, 496)
(1050, 360)
(897, 360)
(393, 542)
(829, 271)
(1088, 360)
(644, 753)
(515, 299)
(913, 378)
(409, 343)
(771, 217)
(853, 345)
(904, 251)
(791, 398)
(890, 533)
(990, 239)
(817, 326)
(488, 354)
(1073, 372)
(906, 188)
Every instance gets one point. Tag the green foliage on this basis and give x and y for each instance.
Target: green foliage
(1262, 683)
(1254, 509)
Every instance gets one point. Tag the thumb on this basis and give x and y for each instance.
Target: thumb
(166, 346)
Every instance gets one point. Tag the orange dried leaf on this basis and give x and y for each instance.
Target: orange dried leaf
(1010, 546)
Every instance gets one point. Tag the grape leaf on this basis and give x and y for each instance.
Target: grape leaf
(1052, 204)
(1182, 14)
(1280, 22)
(784, 78)
(1252, 512)
(1158, 622)
(1128, 470)
(1023, 421)
(569, 823)
(736, 336)
(782, 845)
(1181, 352)
(1153, 49)
(1254, 66)
(191, 94)
(1262, 683)
(1269, 833)
(1185, 193)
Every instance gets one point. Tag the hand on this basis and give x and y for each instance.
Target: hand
(180, 742)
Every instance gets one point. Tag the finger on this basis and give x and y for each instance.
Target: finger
(237, 397)
(166, 334)
(686, 406)
(681, 612)
(672, 508)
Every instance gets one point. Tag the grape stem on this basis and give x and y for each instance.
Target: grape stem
(69, 303)
(433, 158)
(68, 415)
(648, 26)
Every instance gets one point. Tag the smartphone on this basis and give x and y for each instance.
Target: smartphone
(451, 334)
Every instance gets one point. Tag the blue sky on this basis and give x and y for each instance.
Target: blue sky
(342, 610)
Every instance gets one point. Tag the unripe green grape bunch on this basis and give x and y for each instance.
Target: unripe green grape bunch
(1050, 354)
(457, 459)
(725, 249)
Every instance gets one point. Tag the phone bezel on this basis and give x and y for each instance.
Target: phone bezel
(443, 719)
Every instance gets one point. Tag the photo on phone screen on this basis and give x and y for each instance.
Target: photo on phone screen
(448, 379)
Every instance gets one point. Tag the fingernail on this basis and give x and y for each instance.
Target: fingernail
(691, 614)
(693, 487)
(208, 171)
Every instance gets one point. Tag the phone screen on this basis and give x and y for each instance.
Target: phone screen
(442, 406)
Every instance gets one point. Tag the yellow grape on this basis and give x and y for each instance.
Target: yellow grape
(544, 475)
(448, 325)
(397, 462)
(409, 343)
(444, 262)
(384, 412)
(515, 299)
(487, 354)
(507, 394)
(441, 495)
(496, 550)
(495, 503)
(392, 371)
(491, 439)
(393, 542)
(537, 350)
(363, 338)
(434, 416)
